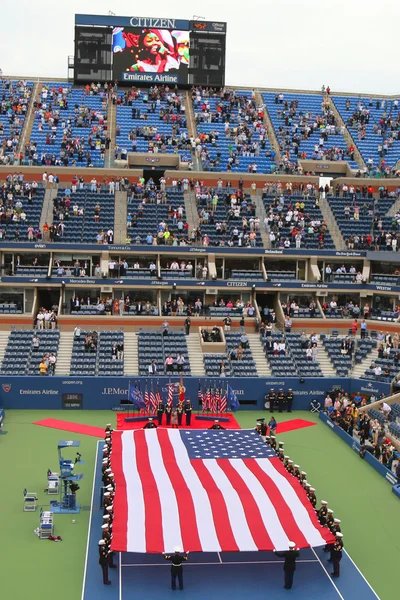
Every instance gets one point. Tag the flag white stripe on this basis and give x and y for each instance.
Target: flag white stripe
(204, 516)
(135, 535)
(267, 510)
(236, 513)
(299, 511)
(169, 506)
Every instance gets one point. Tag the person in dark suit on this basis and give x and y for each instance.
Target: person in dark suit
(188, 412)
(160, 412)
(177, 559)
(289, 566)
(168, 413)
(103, 561)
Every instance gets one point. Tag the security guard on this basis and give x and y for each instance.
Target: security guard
(103, 562)
(322, 513)
(150, 424)
(176, 567)
(179, 411)
(188, 412)
(272, 400)
(289, 566)
(160, 412)
(289, 399)
(281, 400)
(337, 554)
(168, 413)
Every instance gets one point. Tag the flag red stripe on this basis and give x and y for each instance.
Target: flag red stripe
(218, 507)
(251, 510)
(298, 488)
(184, 500)
(119, 539)
(151, 497)
(283, 511)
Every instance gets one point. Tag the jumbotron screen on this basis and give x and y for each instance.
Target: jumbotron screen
(139, 50)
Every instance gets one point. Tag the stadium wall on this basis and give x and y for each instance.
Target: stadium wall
(105, 393)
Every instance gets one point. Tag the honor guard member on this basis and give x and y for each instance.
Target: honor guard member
(281, 445)
(150, 424)
(304, 483)
(334, 529)
(168, 413)
(289, 400)
(272, 400)
(160, 412)
(329, 519)
(312, 497)
(268, 440)
(273, 441)
(296, 472)
(216, 425)
(303, 477)
(290, 468)
(323, 512)
(188, 412)
(176, 567)
(108, 428)
(179, 411)
(281, 455)
(281, 400)
(103, 562)
(285, 461)
(289, 566)
(337, 554)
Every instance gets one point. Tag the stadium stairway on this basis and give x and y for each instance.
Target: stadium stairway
(192, 216)
(120, 215)
(325, 362)
(30, 117)
(191, 126)
(331, 222)
(257, 350)
(131, 355)
(261, 214)
(111, 130)
(64, 354)
(195, 354)
(360, 368)
(394, 209)
(47, 208)
(3, 344)
(347, 136)
(273, 140)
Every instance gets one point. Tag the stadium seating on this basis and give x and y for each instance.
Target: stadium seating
(158, 124)
(377, 415)
(83, 363)
(371, 144)
(20, 358)
(309, 107)
(15, 98)
(72, 140)
(246, 275)
(384, 279)
(341, 362)
(156, 346)
(80, 229)
(212, 363)
(17, 231)
(305, 368)
(276, 276)
(10, 308)
(240, 368)
(220, 146)
(106, 365)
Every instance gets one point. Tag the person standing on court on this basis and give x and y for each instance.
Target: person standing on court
(271, 399)
(281, 400)
(188, 412)
(160, 412)
(289, 566)
(289, 400)
(177, 559)
(103, 561)
(168, 413)
(336, 554)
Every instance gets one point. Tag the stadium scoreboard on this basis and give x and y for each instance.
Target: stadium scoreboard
(147, 50)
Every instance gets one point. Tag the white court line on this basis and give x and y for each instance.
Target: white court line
(327, 574)
(90, 521)
(368, 584)
(219, 557)
(200, 564)
(120, 576)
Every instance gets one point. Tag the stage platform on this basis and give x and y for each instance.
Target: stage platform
(227, 420)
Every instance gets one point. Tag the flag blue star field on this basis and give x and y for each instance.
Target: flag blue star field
(206, 491)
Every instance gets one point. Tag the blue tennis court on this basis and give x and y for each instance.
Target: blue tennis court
(211, 575)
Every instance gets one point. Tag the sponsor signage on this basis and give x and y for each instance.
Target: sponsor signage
(143, 22)
(72, 401)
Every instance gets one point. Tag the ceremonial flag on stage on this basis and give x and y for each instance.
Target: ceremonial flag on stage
(213, 408)
(147, 398)
(136, 397)
(223, 404)
(217, 399)
(207, 398)
(158, 394)
(200, 395)
(207, 491)
(170, 396)
(153, 399)
(232, 400)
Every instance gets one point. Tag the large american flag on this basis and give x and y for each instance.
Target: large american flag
(206, 491)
